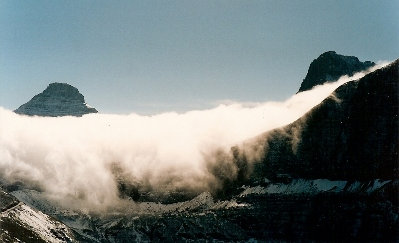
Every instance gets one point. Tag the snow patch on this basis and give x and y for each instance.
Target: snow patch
(253, 190)
(315, 186)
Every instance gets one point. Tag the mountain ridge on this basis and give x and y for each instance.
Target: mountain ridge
(21, 223)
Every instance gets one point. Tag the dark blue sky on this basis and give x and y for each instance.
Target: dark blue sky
(151, 56)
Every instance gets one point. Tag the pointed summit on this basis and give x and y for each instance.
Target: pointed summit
(329, 66)
(58, 99)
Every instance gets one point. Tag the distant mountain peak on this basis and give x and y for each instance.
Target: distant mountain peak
(58, 99)
(329, 66)
(63, 90)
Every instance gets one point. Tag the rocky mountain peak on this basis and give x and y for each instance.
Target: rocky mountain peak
(329, 66)
(58, 99)
(63, 90)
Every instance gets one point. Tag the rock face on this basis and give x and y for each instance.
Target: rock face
(58, 99)
(329, 66)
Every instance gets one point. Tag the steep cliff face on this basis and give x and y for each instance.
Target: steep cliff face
(351, 135)
(58, 99)
(329, 66)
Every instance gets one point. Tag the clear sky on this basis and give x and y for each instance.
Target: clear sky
(151, 56)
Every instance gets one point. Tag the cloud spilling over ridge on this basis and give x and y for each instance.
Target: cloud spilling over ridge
(81, 161)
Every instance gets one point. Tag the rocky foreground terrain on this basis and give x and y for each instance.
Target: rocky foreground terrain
(332, 175)
(301, 210)
(21, 223)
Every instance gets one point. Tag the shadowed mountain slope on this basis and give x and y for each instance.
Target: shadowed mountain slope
(353, 134)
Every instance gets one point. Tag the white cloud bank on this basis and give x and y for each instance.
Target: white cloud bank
(73, 160)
